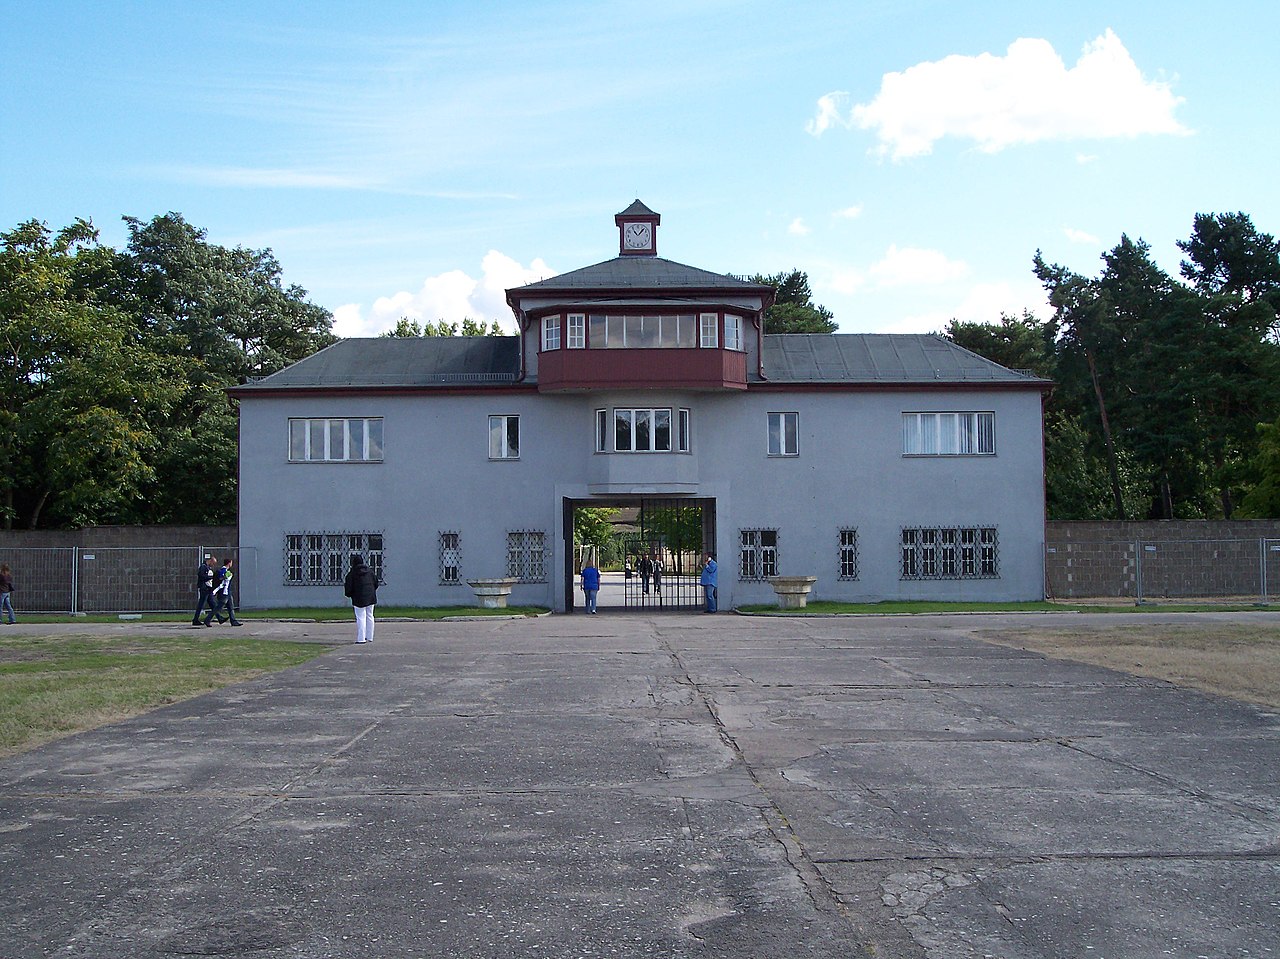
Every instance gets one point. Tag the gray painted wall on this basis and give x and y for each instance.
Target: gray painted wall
(436, 476)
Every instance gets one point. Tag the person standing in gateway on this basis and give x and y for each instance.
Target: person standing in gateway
(708, 581)
(361, 585)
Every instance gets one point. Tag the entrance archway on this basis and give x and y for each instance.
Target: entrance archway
(662, 542)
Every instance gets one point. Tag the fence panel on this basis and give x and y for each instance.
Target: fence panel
(1185, 569)
(43, 578)
(1075, 569)
(1270, 564)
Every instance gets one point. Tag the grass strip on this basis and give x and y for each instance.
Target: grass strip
(52, 686)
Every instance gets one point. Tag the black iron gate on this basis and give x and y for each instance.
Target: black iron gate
(663, 545)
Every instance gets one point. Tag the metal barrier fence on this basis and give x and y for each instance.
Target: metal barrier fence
(131, 579)
(1145, 570)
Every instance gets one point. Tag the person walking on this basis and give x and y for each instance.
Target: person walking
(708, 581)
(6, 593)
(223, 598)
(646, 571)
(591, 585)
(206, 577)
(361, 585)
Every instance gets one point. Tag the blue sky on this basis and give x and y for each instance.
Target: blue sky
(417, 158)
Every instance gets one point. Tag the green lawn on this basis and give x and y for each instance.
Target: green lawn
(825, 606)
(51, 686)
(323, 614)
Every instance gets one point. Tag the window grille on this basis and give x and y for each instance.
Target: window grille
(323, 559)
(849, 553)
(758, 555)
(526, 556)
(450, 558)
(950, 552)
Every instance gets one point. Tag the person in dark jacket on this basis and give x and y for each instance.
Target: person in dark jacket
(6, 592)
(206, 577)
(361, 585)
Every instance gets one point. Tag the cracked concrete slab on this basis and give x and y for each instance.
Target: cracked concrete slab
(674, 786)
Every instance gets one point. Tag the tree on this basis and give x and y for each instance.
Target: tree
(793, 309)
(405, 327)
(1017, 342)
(1263, 500)
(80, 392)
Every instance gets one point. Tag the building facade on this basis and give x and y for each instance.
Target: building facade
(888, 466)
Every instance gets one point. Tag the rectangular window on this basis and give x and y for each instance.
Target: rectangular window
(637, 431)
(950, 552)
(709, 324)
(758, 555)
(849, 553)
(335, 440)
(784, 430)
(602, 431)
(551, 332)
(684, 431)
(948, 434)
(504, 437)
(732, 332)
(323, 559)
(450, 558)
(526, 559)
(576, 331)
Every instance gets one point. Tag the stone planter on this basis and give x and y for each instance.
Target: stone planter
(793, 591)
(492, 593)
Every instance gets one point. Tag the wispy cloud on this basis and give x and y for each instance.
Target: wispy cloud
(849, 212)
(1080, 236)
(913, 266)
(798, 228)
(1026, 96)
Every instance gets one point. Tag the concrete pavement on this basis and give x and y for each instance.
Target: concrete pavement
(673, 785)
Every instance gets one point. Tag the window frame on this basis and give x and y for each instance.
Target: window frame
(450, 557)
(671, 422)
(709, 331)
(848, 555)
(551, 333)
(780, 448)
(733, 322)
(323, 558)
(309, 429)
(527, 555)
(500, 447)
(936, 553)
(757, 554)
(575, 331)
(948, 433)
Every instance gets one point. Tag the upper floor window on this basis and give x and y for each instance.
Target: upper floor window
(335, 440)
(643, 431)
(784, 434)
(576, 331)
(504, 437)
(709, 324)
(615, 332)
(551, 332)
(948, 434)
(732, 332)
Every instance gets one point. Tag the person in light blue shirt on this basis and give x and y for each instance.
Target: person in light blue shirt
(591, 585)
(708, 581)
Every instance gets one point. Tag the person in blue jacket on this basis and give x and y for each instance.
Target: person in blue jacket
(708, 581)
(591, 585)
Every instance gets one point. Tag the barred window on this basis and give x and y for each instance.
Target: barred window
(335, 440)
(849, 553)
(450, 558)
(758, 556)
(948, 434)
(950, 552)
(526, 556)
(322, 559)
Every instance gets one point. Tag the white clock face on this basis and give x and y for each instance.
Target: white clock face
(637, 236)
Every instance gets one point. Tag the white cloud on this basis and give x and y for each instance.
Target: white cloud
(912, 266)
(1026, 96)
(849, 212)
(798, 228)
(1080, 236)
(270, 178)
(981, 303)
(452, 296)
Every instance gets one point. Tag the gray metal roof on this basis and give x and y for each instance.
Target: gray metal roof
(637, 209)
(637, 272)
(403, 362)
(878, 358)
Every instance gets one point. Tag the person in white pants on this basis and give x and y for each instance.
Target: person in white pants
(361, 585)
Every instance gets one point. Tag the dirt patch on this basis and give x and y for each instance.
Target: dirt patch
(1239, 661)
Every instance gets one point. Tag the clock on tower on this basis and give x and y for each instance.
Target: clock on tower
(637, 230)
